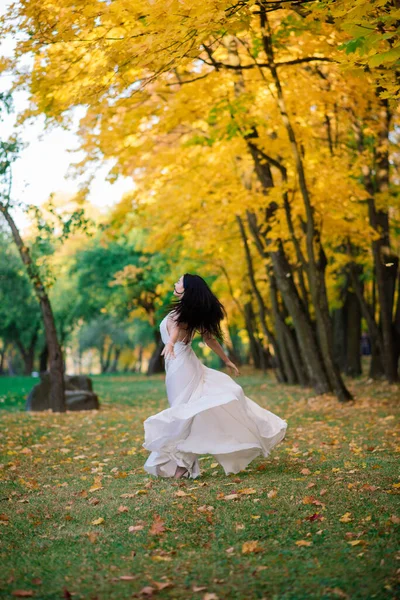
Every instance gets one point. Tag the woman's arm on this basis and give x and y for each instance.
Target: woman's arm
(213, 343)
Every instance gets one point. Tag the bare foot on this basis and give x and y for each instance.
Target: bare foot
(180, 471)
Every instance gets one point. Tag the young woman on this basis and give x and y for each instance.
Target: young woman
(208, 413)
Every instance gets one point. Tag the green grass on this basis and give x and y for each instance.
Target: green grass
(336, 459)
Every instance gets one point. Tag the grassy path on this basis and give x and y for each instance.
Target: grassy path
(79, 518)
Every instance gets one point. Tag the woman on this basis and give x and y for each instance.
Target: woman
(209, 413)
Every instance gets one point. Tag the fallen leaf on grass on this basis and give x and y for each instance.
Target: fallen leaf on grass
(312, 500)
(22, 593)
(369, 488)
(395, 519)
(337, 592)
(346, 518)
(134, 528)
(181, 493)
(123, 509)
(205, 508)
(161, 585)
(92, 537)
(305, 472)
(127, 577)
(198, 588)
(96, 485)
(147, 590)
(247, 491)
(231, 497)
(357, 543)
(315, 517)
(250, 547)
(210, 596)
(98, 521)
(157, 526)
(301, 543)
(272, 493)
(25, 451)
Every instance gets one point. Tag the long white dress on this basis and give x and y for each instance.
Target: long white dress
(208, 414)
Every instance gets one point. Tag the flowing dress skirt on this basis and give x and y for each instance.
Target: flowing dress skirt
(208, 414)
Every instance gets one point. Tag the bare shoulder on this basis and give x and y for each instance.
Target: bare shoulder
(182, 327)
(172, 316)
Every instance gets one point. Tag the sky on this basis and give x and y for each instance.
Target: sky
(43, 165)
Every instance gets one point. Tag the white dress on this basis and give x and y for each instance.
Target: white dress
(208, 414)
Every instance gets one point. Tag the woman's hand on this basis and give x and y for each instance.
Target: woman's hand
(230, 364)
(168, 351)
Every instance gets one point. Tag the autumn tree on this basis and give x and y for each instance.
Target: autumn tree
(260, 132)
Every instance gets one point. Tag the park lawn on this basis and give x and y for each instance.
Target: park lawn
(319, 518)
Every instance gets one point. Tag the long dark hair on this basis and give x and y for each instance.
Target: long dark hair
(198, 309)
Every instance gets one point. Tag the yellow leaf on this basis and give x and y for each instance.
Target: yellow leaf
(357, 543)
(250, 547)
(346, 518)
(303, 543)
(98, 521)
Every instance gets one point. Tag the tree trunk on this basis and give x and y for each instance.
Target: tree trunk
(57, 388)
(43, 359)
(28, 354)
(339, 337)
(386, 264)
(353, 335)
(254, 345)
(315, 372)
(283, 352)
(2, 358)
(376, 181)
(268, 335)
(316, 257)
(396, 325)
(107, 361)
(114, 365)
(156, 363)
